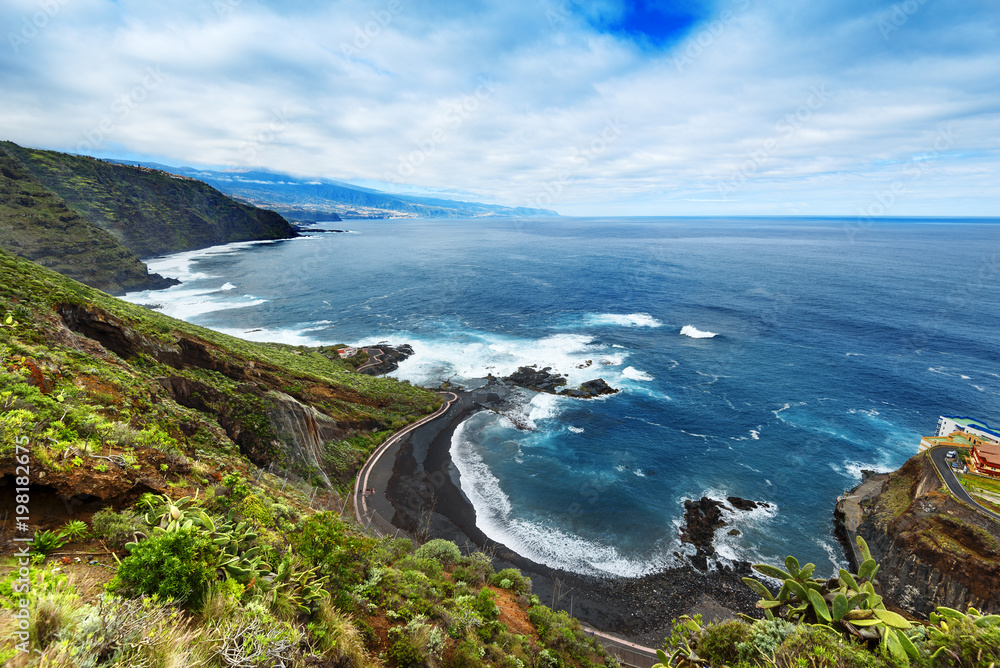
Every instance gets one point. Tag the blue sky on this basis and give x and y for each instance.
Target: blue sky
(601, 108)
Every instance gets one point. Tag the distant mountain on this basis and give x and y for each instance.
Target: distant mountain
(314, 199)
(38, 225)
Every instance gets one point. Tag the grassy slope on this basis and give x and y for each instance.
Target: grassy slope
(101, 427)
(37, 224)
(150, 212)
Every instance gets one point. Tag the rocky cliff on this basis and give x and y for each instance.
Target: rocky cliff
(932, 549)
(148, 211)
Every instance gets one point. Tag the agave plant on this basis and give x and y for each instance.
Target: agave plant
(847, 603)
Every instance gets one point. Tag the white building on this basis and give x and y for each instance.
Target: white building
(948, 424)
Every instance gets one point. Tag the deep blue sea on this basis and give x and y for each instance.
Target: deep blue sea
(771, 359)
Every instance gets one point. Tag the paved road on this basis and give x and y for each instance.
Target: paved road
(954, 486)
(361, 484)
(373, 359)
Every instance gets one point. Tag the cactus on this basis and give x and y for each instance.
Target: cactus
(847, 603)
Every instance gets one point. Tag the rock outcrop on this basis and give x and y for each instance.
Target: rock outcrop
(932, 549)
(546, 380)
(702, 518)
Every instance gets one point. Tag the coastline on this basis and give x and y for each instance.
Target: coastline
(421, 494)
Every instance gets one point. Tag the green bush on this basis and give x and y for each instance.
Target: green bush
(517, 582)
(444, 551)
(720, 642)
(819, 647)
(175, 564)
(429, 567)
(115, 529)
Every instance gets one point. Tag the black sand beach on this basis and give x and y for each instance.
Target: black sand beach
(421, 495)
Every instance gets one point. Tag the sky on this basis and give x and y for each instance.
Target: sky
(662, 107)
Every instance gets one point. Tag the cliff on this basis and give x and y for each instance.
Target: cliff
(932, 549)
(148, 211)
(38, 224)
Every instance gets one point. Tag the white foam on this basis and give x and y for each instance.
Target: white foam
(468, 355)
(635, 374)
(227, 286)
(577, 430)
(852, 469)
(754, 434)
(695, 333)
(537, 540)
(288, 336)
(623, 320)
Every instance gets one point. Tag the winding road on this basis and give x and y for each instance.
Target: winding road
(951, 480)
(360, 502)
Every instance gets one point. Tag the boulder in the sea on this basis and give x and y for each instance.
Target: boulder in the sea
(539, 380)
(701, 519)
(590, 389)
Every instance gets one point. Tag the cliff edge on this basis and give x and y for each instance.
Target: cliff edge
(932, 549)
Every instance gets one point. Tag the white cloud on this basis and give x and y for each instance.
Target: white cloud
(729, 112)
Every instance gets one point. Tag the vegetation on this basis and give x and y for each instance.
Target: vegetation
(147, 211)
(838, 622)
(222, 563)
(39, 225)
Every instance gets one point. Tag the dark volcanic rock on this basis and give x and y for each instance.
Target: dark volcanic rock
(539, 380)
(701, 519)
(590, 389)
(545, 380)
(745, 504)
(386, 362)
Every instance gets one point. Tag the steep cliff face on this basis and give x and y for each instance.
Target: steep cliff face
(303, 430)
(148, 211)
(932, 549)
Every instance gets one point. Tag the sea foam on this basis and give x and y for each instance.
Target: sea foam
(623, 320)
(695, 333)
(535, 539)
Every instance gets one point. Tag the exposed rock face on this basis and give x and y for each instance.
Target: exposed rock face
(269, 426)
(303, 430)
(932, 549)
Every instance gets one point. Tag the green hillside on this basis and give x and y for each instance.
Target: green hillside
(150, 212)
(37, 224)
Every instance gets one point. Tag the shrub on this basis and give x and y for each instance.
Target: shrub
(337, 636)
(516, 582)
(442, 550)
(115, 529)
(175, 564)
(719, 642)
(429, 567)
(824, 648)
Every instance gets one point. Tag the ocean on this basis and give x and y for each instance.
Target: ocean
(771, 359)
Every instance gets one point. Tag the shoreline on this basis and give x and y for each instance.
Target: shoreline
(421, 494)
